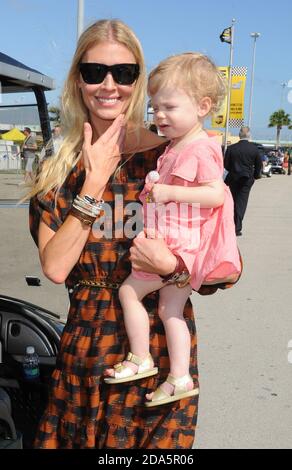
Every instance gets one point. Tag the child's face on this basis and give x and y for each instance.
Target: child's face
(176, 114)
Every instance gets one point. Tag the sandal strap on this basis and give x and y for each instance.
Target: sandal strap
(159, 394)
(144, 365)
(179, 383)
(135, 359)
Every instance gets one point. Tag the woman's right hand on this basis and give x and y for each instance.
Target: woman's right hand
(101, 158)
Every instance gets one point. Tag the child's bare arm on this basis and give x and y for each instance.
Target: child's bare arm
(208, 195)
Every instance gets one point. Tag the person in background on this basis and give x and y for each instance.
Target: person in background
(286, 158)
(53, 145)
(29, 153)
(265, 159)
(57, 138)
(244, 165)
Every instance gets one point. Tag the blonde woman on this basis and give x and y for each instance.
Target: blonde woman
(76, 199)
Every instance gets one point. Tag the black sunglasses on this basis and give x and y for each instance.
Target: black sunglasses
(123, 74)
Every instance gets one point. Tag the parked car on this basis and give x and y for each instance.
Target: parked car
(277, 163)
(22, 402)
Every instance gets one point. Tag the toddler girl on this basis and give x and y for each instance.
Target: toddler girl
(187, 203)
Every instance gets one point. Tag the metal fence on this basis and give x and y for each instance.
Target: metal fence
(11, 161)
(10, 156)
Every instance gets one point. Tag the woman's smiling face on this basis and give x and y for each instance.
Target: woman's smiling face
(108, 99)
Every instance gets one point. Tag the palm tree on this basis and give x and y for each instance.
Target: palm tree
(279, 119)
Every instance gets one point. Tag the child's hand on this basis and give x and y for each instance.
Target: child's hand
(160, 193)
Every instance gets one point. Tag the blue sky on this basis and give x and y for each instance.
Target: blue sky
(42, 35)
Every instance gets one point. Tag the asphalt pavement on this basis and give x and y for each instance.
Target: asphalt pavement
(19, 255)
(243, 332)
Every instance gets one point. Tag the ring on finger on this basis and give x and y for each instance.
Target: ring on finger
(149, 197)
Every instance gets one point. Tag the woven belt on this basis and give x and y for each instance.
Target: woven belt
(97, 283)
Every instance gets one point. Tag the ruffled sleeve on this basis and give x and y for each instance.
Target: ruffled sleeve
(201, 161)
(186, 164)
(53, 208)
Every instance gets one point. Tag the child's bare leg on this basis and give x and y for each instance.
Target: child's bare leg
(136, 317)
(131, 293)
(171, 306)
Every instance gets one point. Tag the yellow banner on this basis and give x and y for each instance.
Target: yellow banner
(237, 97)
(219, 119)
(236, 114)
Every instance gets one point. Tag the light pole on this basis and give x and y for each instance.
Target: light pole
(254, 36)
(80, 18)
(283, 85)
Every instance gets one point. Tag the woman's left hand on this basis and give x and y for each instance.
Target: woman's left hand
(151, 255)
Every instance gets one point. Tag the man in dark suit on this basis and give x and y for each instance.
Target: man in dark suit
(244, 164)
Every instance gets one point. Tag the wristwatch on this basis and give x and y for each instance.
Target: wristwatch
(180, 276)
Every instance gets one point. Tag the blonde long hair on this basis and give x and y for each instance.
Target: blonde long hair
(73, 111)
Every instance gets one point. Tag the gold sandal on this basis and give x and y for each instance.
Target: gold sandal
(124, 373)
(160, 397)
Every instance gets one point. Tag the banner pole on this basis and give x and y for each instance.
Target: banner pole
(229, 85)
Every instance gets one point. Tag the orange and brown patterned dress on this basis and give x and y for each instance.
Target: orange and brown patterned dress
(82, 411)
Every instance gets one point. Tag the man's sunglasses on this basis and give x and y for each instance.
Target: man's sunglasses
(123, 74)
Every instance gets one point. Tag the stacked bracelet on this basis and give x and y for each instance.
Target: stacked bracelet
(88, 205)
(84, 218)
(86, 208)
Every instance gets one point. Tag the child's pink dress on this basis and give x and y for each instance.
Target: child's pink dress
(206, 240)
